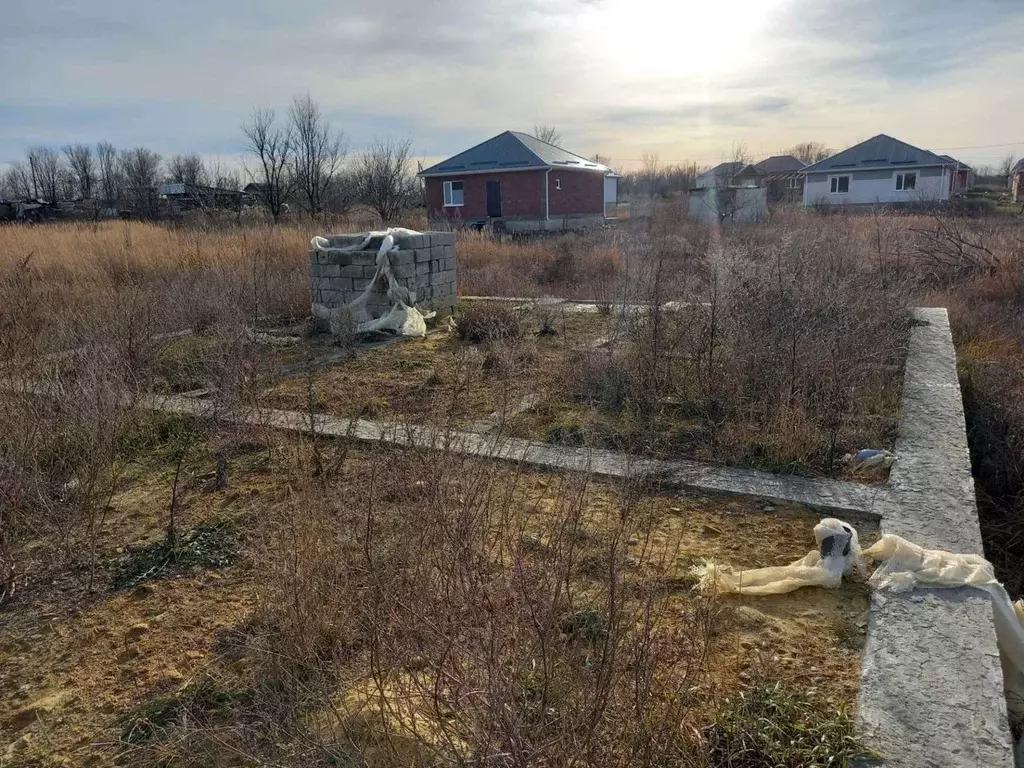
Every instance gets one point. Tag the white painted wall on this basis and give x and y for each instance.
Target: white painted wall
(877, 187)
(611, 190)
(751, 204)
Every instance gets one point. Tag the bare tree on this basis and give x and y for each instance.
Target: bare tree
(1006, 165)
(223, 177)
(273, 146)
(141, 170)
(740, 153)
(67, 184)
(83, 167)
(650, 172)
(809, 152)
(319, 151)
(383, 177)
(17, 181)
(108, 171)
(187, 169)
(547, 133)
(44, 165)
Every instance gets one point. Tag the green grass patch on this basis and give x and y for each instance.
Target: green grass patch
(769, 726)
(214, 545)
(199, 701)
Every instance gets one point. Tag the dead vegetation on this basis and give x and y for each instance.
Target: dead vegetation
(309, 603)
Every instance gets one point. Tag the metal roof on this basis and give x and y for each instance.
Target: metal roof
(780, 164)
(723, 169)
(1018, 167)
(880, 151)
(512, 151)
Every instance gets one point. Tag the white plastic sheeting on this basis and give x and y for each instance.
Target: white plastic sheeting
(838, 554)
(903, 566)
(403, 317)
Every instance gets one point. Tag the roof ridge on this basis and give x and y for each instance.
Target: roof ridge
(518, 137)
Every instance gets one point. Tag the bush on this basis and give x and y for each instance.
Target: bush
(770, 726)
(486, 323)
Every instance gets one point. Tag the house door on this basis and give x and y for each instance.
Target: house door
(494, 199)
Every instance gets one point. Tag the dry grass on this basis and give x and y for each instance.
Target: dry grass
(423, 608)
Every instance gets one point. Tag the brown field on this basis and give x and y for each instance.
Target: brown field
(178, 592)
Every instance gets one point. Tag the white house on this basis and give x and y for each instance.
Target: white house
(883, 170)
(719, 176)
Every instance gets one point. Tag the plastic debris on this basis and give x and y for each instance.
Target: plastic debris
(870, 458)
(838, 554)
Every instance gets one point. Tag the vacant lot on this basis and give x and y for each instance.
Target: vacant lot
(186, 592)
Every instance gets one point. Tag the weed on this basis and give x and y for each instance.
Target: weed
(769, 726)
(486, 323)
(198, 701)
(206, 546)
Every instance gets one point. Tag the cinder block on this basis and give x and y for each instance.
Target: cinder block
(348, 240)
(404, 270)
(352, 270)
(402, 257)
(449, 264)
(449, 251)
(424, 255)
(362, 258)
(341, 283)
(360, 284)
(329, 270)
(437, 265)
(442, 238)
(423, 268)
(368, 272)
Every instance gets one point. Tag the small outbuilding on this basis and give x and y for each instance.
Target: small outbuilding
(519, 183)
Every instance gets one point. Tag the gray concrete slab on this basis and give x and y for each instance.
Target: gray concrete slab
(931, 687)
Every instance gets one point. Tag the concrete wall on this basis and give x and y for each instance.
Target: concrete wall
(424, 264)
(728, 205)
(877, 186)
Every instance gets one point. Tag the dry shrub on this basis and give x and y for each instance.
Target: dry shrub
(427, 617)
(483, 323)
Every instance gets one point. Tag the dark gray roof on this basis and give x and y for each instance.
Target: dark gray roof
(780, 164)
(512, 151)
(880, 151)
(1018, 167)
(725, 169)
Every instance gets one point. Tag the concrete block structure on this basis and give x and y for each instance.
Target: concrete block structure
(424, 264)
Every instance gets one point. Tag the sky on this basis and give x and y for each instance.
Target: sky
(686, 80)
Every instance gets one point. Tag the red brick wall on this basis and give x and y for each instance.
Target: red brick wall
(522, 194)
(581, 192)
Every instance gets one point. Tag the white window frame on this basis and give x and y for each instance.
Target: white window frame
(836, 179)
(449, 197)
(901, 181)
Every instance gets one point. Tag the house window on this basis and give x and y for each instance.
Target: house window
(558, 183)
(840, 185)
(452, 193)
(906, 181)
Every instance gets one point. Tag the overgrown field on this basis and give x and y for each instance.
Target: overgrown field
(183, 592)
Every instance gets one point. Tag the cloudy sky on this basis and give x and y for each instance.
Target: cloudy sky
(688, 80)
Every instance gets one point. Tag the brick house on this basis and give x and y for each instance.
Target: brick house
(1016, 181)
(520, 184)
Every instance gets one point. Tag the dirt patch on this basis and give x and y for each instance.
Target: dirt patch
(111, 677)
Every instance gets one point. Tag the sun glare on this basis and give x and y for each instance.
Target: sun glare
(652, 39)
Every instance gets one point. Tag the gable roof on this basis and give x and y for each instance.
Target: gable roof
(780, 164)
(725, 169)
(1018, 167)
(880, 151)
(512, 151)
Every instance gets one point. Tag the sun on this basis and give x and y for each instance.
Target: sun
(648, 39)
